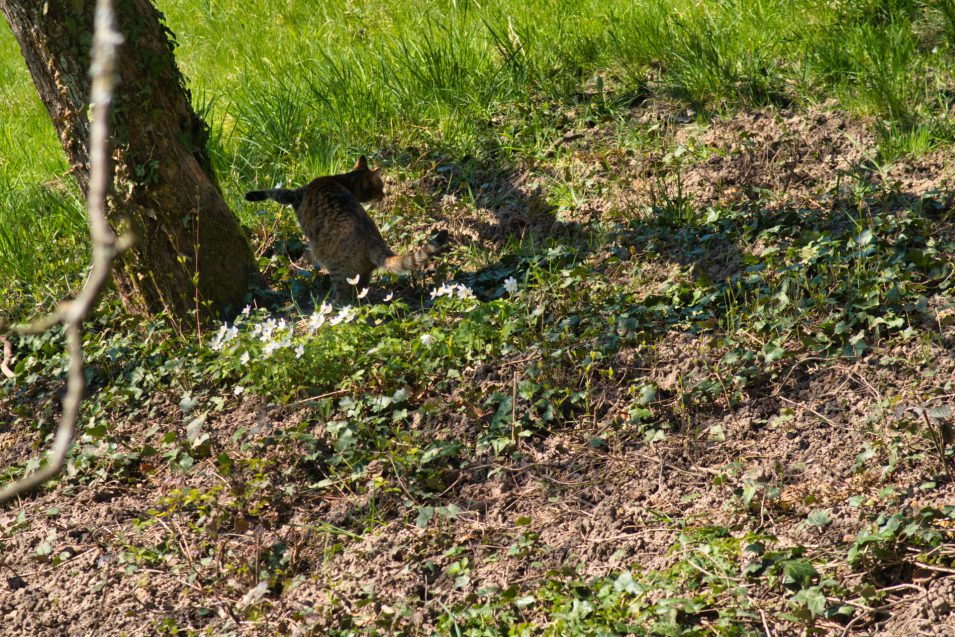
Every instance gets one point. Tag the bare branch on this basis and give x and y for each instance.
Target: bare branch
(106, 246)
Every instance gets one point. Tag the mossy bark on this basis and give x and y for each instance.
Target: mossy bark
(190, 251)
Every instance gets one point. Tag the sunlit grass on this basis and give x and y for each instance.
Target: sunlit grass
(294, 89)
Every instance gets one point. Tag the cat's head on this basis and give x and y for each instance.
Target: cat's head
(366, 184)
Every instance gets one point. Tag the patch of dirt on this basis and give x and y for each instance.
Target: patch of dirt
(795, 156)
(789, 154)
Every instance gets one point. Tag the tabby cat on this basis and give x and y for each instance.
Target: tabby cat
(340, 234)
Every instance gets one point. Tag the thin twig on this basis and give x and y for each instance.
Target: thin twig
(337, 392)
(401, 483)
(810, 410)
(514, 409)
(106, 246)
(769, 633)
(936, 568)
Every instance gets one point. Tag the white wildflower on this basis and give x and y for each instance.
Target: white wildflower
(238, 390)
(389, 296)
(453, 290)
(299, 351)
(510, 285)
(270, 348)
(315, 321)
(244, 359)
(363, 293)
(246, 310)
(426, 339)
(268, 328)
(345, 315)
(354, 280)
(217, 341)
(446, 289)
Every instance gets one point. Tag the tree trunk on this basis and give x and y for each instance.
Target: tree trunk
(190, 252)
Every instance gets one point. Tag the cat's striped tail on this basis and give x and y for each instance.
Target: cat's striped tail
(284, 196)
(414, 260)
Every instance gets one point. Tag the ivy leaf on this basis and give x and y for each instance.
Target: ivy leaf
(524, 602)
(425, 514)
(799, 573)
(819, 518)
(940, 412)
(648, 394)
(188, 403)
(812, 599)
(625, 584)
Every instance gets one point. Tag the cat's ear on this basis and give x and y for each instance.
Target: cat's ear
(362, 163)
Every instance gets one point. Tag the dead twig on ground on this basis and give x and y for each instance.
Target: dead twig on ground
(811, 411)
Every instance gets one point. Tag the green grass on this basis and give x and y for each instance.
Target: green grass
(713, 54)
(294, 91)
(43, 233)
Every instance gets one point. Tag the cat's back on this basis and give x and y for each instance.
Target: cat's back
(326, 196)
(336, 224)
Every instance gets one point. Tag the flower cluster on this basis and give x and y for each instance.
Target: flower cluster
(276, 334)
(346, 315)
(452, 290)
(318, 318)
(224, 336)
